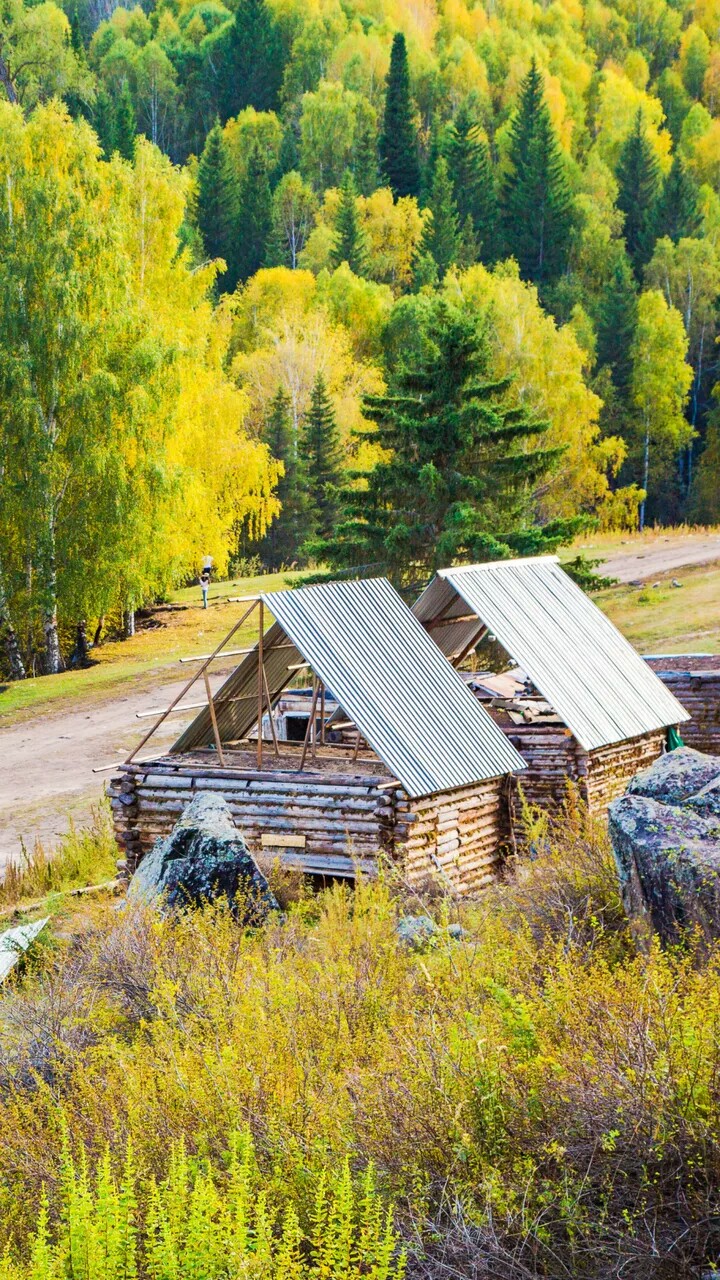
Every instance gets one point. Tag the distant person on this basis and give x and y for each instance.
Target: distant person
(205, 585)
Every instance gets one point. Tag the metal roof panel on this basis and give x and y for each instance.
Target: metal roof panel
(571, 651)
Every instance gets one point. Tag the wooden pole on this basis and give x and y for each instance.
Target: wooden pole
(213, 717)
(261, 691)
(270, 713)
(357, 745)
(322, 715)
(311, 722)
(190, 683)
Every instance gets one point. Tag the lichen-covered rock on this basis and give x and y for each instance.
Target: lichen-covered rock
(707, 802)
(204, 858)
(676, 776)
(668, 861)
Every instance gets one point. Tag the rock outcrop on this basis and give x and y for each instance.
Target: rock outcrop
(665, 833)
(204, 858)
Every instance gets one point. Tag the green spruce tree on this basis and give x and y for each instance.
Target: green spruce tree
(254, 215)
(322, 456)
(399, 159)
(250, 60)
(217, 204)
(461, 467)
(104, 122)
(536, 198)
(470, 167)
(638, 176)
(281, 545)
(441, 238)
(349, 239)
(678, 210)
(616, 325)
(125, 129)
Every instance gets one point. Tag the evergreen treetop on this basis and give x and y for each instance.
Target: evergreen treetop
(289, 530)
(250, 59)
(536, 197)
(254, 215)
(125, 129)
(616, 324)
(678, 210)
(470, 168)
(461, 468)
(217, 203)
(322, 455)
(638, 176)
(399, 159)
(349, 240)
(441, 238)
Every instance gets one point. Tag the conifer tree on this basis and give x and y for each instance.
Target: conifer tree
(678, 211)
(461, 466)
(616, 325)
(470, 167)
(398, 141)
(125, 124)
(254, 215)
(323, 466)
(288, 531)
(536, 198)
(217, 203)
(349, 240)
(441, 238)
(638, 176)
(250, 60)
(104, 122)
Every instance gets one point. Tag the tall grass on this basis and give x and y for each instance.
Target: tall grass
(82, 858)
(534, 1097)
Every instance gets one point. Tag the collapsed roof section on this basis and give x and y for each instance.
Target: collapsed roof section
(577, 659)
(364, 644)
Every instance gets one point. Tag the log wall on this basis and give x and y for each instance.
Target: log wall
(347, 819)
(696, 684)
(554, 756)
(458, 834)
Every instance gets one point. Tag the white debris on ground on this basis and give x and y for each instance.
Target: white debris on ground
(16, 941)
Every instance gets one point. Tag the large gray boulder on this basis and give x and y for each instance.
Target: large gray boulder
(204, 858)
(665, 834)
(675, 776)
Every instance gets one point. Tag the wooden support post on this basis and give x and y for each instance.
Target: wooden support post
(270, 713)
(261, 691)
(311, 722)
(357, 745)
(191, 682)
(213, 717)
(322, 715)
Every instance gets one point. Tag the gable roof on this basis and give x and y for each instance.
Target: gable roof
(589, 673)
(386, 673)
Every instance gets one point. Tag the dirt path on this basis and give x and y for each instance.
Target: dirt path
(48, 760)
(656, 556)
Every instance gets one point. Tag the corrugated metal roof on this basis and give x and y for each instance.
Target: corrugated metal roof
(573, 654)
(410, 705)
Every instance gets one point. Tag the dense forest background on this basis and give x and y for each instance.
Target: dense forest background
(372, 285)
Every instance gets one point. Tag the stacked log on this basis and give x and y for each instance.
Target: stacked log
(344, 818)
(458, 835)
(550, 751)
(605, 772)
(695, 683)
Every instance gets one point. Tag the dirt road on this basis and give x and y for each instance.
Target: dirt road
(656, 556)
(48, 761)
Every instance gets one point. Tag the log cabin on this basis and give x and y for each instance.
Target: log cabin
(578, 702)
(399, 760)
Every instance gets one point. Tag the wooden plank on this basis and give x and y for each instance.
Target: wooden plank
(276, 840)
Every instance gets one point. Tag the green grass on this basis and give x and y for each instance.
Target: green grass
(667, 619)
(151, 653)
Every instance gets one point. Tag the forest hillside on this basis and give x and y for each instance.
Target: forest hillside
(369, 287)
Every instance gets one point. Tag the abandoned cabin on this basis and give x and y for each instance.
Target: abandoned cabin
(575, 699)
(398, 758)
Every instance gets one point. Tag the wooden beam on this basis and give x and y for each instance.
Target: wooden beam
(191, 682)
(311, 722)
(216, 732)
(260, 690)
